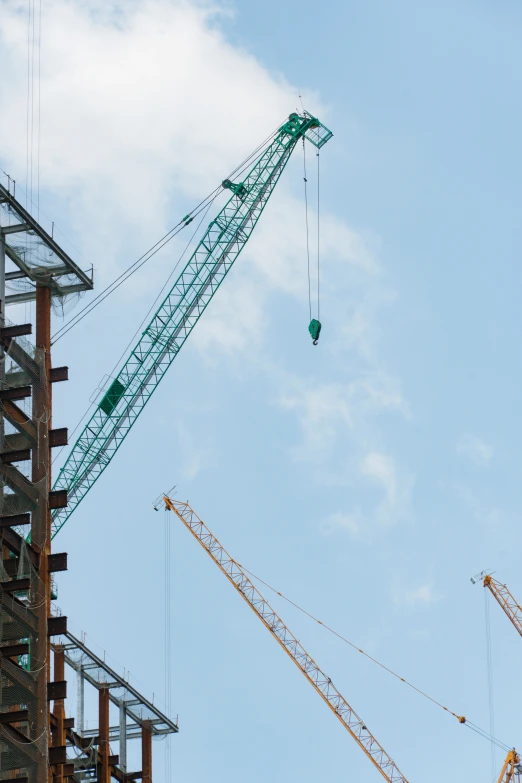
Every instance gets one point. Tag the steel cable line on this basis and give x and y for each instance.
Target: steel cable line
(307, 232)
(124, 276)
(318, 239)
(461, 719)
(123, 353)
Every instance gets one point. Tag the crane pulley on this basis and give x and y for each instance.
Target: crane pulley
(179, 312)
(293, 648)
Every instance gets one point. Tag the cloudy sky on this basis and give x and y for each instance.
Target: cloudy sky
(367, 478)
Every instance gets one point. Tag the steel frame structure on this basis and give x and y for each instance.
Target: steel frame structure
(26, 500)
(139, 718)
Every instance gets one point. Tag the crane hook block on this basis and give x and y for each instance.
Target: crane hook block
(315, 330)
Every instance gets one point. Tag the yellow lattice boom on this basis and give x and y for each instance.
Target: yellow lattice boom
(293, 648)
(506, 601)
(511, 771)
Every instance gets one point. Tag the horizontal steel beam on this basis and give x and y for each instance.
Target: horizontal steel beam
(15, 229)
(48, 240)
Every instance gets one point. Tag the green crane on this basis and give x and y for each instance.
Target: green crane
(179, 312)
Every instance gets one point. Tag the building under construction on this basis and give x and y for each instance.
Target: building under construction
(40, 660)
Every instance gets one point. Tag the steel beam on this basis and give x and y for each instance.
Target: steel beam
(44, 236)
(15, 228)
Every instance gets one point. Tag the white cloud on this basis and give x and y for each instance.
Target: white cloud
(196, 454)
(474, 449)
(145, 108)
(341, 521)
(396, 485)
(381, 469)
(141, 102)
(325, 409)
(481, 510)
(389, 506)
(423, 595)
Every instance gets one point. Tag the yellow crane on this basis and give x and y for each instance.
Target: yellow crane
(502, 595)
(512, 770)
(293, 648)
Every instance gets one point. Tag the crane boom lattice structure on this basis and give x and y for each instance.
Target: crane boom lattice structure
(502, 595)
(511, 771)
(293, 648)
(181, 309)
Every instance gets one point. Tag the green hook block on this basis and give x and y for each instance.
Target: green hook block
(315, 330)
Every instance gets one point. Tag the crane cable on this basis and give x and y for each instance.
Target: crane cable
(305, 179)
(168, 638)
(185, 221)
(490, 680)
(318, 238)
(460, 718)
(123, 353)
(313, 322)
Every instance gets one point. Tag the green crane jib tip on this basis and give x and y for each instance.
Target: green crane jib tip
(315, 330)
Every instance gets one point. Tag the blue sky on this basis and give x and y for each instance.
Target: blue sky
(367, 478)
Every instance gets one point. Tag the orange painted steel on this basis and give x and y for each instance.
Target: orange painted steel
(293, 648)
(506, 601)
(511, 769)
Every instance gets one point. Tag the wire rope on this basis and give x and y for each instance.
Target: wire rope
(39, 106)
(168, 676)
(124, 276)
(123, 353)
(169, 278)
(318, 238)
(33, 42)
(117, 282)
(28, 99)
(305, 179)
(490, 681)
(461, 719)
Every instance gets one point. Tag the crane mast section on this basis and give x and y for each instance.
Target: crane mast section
(293, 648)
(179, 312)
(506, 601)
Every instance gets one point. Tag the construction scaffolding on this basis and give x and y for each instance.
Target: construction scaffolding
(38, 743)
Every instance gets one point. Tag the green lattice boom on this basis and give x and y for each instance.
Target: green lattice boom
(179, 312)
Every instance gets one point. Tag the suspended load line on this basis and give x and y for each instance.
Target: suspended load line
(293, 648)
(179, 312)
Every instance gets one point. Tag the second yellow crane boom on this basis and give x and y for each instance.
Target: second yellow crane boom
(511, 771)
(293, 648)
(502, 595)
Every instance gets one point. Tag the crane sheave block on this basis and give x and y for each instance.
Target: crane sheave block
(179, 312)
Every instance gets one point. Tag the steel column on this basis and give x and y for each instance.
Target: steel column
(59, 738)
(80, 701)
(123, 736)
(41, 519)
(146, 753)
(103, 746)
